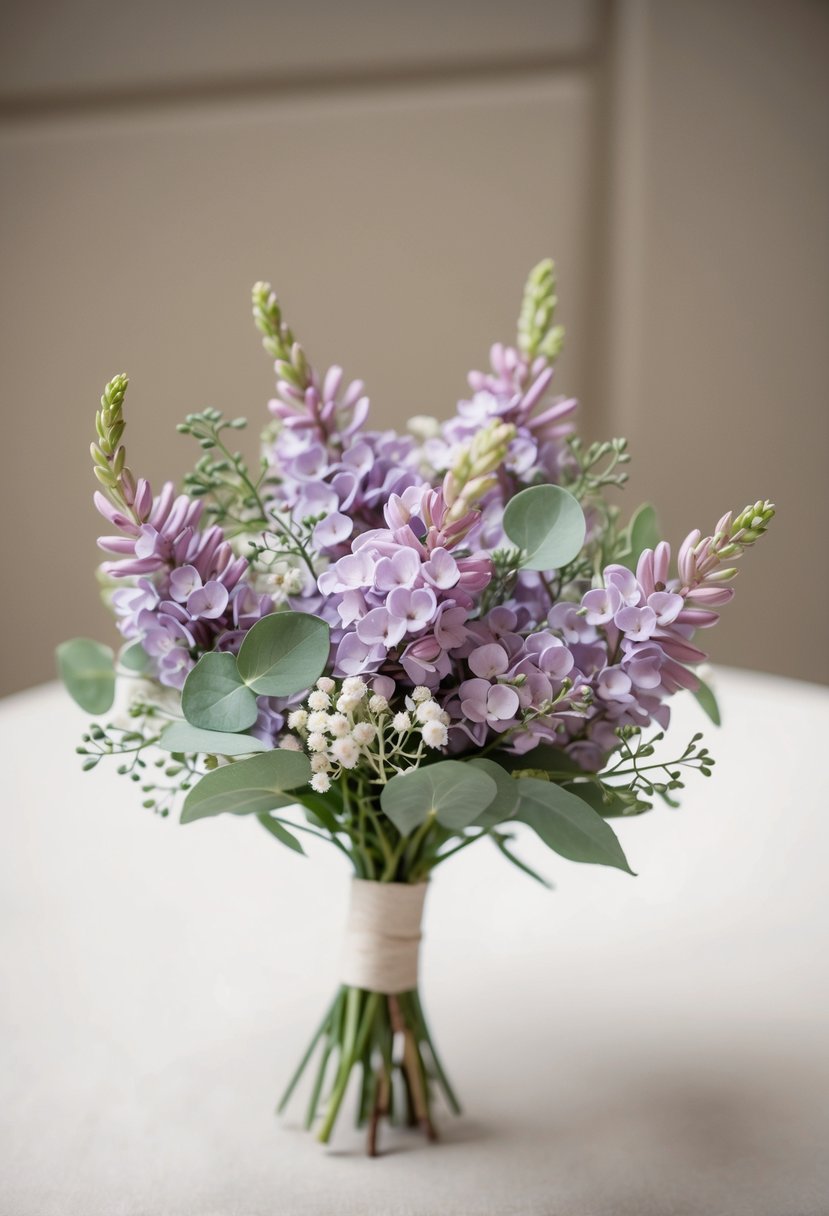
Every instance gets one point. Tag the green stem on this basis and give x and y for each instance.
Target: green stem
(413, 1000)
(355, 1037)
(323, 1026)
(467, 840)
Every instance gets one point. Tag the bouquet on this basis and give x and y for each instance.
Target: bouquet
(404, 644)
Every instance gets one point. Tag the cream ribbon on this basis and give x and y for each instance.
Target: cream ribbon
(382, 936)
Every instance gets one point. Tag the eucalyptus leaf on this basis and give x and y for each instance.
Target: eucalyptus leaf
(450, 791)
(547, 524)
(248, 787)
(215, 697)
(567, 825)
(87, 669)
(281, 833)
(505, 802)
(708, 702)
(641, 533)
(135, 658)
(182, 737)
(284, 653)
(602, 799)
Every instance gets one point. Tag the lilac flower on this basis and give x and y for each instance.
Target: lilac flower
(495, 704)
(190, 591)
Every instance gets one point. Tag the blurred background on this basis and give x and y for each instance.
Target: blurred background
(395, 170)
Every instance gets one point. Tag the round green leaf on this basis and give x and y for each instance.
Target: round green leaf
(505, 802)
(284, 653)
(87, 669)
(567, 825)
(547, 525)
(135, 658)
(182, 737)
(450, 791)
(215, 697)
(248, 787)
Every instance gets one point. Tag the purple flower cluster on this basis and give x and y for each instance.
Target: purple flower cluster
(516, 390)
(402, 597)
(623, 650)
(327, 466)
(401, 551)
(189, 592)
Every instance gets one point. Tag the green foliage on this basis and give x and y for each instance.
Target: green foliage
(547, 525)
(543, 758)
(248, 787)
(604, 800)
(190, 740)
(162, 780)
(568, 825)
(658, 777)
(451, 792)
(135, 658)
(281, 833)
(505, 803)
(221, 477)
(708, 702)
(284, 653)
(215, 697)
(87, 669)
(641, 533)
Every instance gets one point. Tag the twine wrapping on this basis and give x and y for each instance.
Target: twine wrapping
(382, 936)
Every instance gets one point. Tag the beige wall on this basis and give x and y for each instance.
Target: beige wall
(395, 170)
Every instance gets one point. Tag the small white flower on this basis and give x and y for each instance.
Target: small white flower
(428, 711)
(346, 703)
(290, 743)
(318, 720)
(421, 693)
(353, 686)
(346, 751)
(435, 734)
(363, 732)
(338, 725)
(321, 782)
(319, 699)
(297, 719)
(325, 684)
(401, 723)
(317, 742)
(320, 763)
(378, 704)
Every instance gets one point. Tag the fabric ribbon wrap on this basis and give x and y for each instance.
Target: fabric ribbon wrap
(382, 936)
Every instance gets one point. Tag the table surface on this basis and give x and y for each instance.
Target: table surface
(621, 1045)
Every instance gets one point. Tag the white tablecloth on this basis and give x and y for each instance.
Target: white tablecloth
(622, 1046)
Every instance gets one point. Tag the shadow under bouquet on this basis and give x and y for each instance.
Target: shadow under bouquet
(402, 643)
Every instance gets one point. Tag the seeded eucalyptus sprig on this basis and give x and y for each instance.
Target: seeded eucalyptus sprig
(224, 479)
(658, 778)
(278, 339)
(109, 454)
(537, 335)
